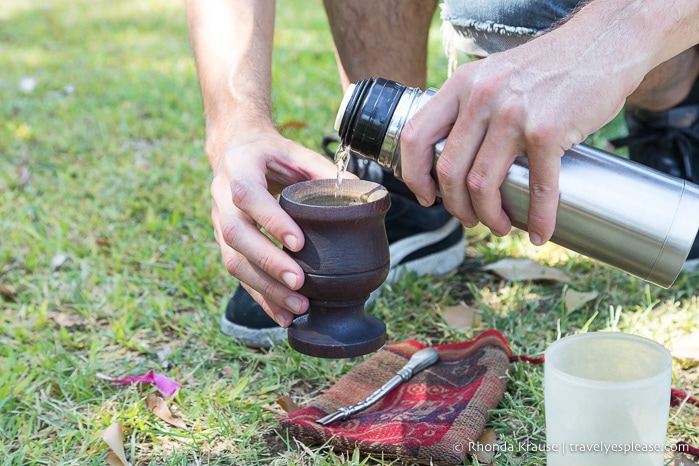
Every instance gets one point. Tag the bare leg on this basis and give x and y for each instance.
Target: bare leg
(667, 84)
(386, 38)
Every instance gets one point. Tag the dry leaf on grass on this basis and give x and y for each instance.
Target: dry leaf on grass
(102, 242)
(486, 446)
(525, 269)
(686, 347)
(158, 407)
(462, 316)
(8, 291)
(574, 300)
(66, 320)
(112, 436)
(287, 404)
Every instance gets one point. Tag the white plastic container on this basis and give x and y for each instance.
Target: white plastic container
(607, 400)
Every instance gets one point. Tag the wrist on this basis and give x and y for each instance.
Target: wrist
(225, 132)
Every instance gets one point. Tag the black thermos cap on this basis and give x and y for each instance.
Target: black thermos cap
(368, 114)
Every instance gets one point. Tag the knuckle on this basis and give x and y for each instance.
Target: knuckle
(512, 112)
(572, 138)
(478, 184)
(540, 190)
(444, 168)
(266, 262)
(484, 91)
(270, 290)
(240, 193)
(268, 222)
(542, 134)
(234, 265)
(231, 234)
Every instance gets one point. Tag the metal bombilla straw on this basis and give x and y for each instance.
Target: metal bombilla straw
(418, 361)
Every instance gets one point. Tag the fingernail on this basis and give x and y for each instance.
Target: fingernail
(422, 201)
(535, 239)
(282, 320)
(294, 303)
(291, 242)
(291, 279)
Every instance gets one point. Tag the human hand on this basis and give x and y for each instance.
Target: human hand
(536, 100)
(251, 173)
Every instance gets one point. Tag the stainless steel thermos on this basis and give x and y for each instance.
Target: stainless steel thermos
(627, 215)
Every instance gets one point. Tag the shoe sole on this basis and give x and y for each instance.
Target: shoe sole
(253, 337)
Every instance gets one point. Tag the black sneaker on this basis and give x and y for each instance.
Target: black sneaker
(668, 141)
(424, 240)
(246, 321)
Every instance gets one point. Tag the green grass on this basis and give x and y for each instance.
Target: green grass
(103, 163)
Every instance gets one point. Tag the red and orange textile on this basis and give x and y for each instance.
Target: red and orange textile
(430, 419)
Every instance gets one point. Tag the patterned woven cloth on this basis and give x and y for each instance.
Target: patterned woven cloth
(430, 419)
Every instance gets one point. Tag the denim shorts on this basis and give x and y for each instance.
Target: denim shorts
(482, 27)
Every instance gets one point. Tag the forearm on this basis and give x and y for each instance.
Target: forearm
(629, 38)
(232, 45)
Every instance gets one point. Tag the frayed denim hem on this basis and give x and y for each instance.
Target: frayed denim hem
(489, 27)
(483, 27)
(475, 43)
